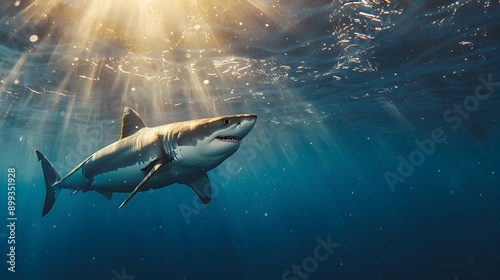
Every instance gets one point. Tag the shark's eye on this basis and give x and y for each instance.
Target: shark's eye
(226, 121)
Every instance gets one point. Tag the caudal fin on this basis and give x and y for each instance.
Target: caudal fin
(51, 177)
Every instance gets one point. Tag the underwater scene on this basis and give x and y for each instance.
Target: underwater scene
(250, 139)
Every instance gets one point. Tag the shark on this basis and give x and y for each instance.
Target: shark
(146, 158)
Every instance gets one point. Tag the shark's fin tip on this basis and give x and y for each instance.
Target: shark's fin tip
(106, 194)
(202, 187)
(131, 122)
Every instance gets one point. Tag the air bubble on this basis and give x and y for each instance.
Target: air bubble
(33, 38)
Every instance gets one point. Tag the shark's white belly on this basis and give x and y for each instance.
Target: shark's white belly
(125, 179)
(122, 180)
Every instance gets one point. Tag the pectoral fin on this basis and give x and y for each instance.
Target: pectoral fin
(152, 172)
(107, 195)
(201, 186)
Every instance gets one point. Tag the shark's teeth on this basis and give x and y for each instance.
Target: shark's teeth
(232, 139)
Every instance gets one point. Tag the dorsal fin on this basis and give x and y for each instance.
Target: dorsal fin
(131, 122)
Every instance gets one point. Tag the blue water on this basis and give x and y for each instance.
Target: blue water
(375, 154)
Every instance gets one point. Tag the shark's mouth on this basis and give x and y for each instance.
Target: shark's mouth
(231, 139)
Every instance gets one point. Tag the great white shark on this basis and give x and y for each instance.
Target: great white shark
(147, 158)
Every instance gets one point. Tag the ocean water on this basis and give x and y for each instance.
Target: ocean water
(375, 154)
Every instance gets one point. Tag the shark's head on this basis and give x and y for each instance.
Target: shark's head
(208, 142)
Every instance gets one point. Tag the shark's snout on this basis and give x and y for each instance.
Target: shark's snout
(241, 126)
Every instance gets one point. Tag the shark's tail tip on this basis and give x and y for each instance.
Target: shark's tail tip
(51, 178)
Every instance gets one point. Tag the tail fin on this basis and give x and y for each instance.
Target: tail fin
(51, 177)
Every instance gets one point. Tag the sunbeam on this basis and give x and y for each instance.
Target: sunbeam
(122, 48)
(187, 59)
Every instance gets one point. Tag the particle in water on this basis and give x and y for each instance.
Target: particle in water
(206, 82)
(33, 38)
